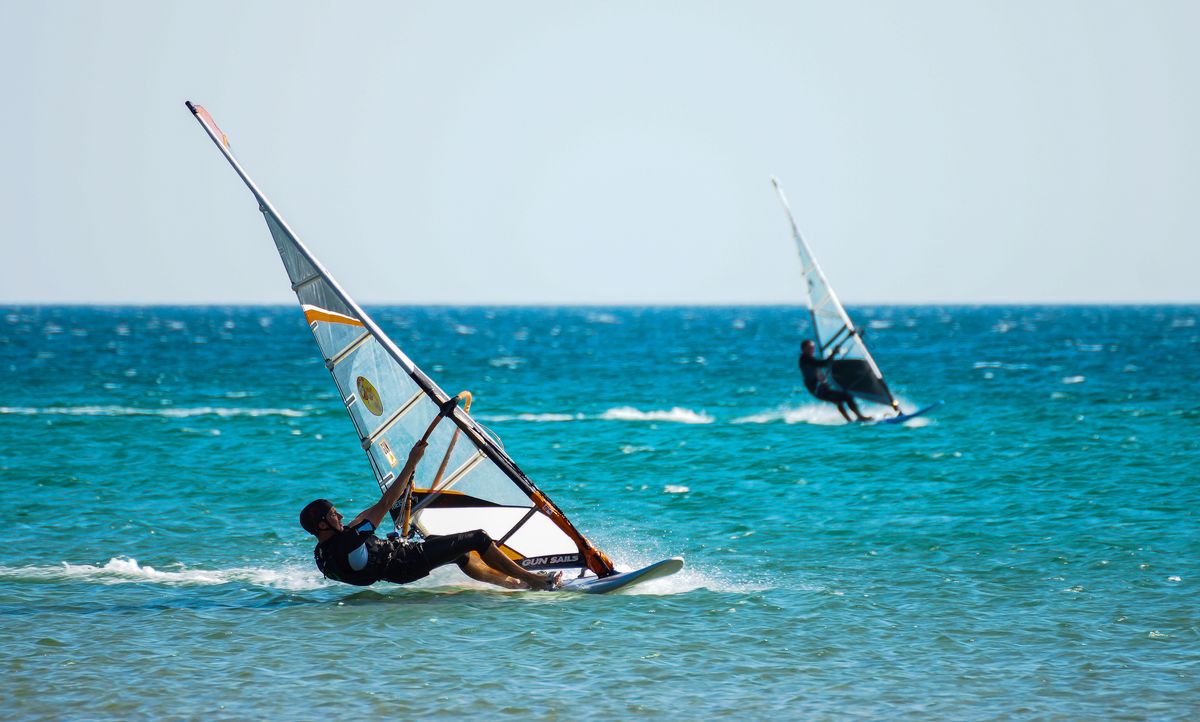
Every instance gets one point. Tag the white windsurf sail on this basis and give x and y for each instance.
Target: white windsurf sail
(834, 333)
(466, 481)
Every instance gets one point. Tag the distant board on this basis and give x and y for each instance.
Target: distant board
(906, 417)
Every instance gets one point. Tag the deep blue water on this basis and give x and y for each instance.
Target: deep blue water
(1030, 551)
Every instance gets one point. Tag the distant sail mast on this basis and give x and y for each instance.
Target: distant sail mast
(833, 330)
(391, 402)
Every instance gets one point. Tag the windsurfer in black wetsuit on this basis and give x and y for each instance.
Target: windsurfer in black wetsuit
(351, 553)
(817, 380)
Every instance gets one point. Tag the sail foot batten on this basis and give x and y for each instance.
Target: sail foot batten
(353, 346)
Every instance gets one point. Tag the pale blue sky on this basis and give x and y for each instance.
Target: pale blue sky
(617, 152)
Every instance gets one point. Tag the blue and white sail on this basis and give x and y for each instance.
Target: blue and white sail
(466, 480)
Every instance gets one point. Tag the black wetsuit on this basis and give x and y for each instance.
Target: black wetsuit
(356, 556)
(816, 382)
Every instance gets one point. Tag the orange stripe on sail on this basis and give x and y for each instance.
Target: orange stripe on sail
(212, 124)
(312, 313)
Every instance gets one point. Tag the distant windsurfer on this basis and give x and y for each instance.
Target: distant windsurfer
(351, 553)
(816, 372)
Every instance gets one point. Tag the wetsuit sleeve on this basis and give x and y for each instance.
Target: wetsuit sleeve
(363, 527)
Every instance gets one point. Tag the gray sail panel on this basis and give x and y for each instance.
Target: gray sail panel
(307, 280)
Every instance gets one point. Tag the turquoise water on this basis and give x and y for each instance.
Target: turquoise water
(1030, 551)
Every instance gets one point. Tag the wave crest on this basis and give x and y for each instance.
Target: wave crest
(677, 414)
(174, 413)
(127, 570)
(818, 414)
(530, 417)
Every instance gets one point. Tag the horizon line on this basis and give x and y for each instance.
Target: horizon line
(586, 304)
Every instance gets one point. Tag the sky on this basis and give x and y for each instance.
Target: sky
(603, 153)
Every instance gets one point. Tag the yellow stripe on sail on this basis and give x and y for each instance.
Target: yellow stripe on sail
(313, 313)
(511, 553)
(448, 492)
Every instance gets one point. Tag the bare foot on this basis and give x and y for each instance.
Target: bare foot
(551, 581)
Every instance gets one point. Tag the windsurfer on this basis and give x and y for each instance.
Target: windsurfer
(351, 553)
(816, 372)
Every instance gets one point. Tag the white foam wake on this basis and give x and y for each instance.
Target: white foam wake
(302, 578)
(818, 414)
(684, 581)
(127, 571)
(1001, 365)
(175, 413)
(677, 414)
(530, 417)
(822, 414)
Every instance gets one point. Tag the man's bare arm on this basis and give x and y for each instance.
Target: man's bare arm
(376, 512)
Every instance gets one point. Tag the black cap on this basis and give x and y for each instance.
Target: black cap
(313, 514)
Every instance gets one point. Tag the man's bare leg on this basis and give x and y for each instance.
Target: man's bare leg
(475, 568)
(496, 559)
(854, 407)
(841, 407)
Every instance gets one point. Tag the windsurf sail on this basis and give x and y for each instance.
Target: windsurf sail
(834, 333)
(466, 480)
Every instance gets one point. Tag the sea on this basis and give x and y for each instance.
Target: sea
(1030, 550)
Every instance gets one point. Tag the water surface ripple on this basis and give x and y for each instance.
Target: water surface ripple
(1030, 551)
